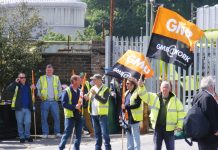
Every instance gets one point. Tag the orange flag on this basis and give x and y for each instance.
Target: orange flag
(173, 38)
(132, 63)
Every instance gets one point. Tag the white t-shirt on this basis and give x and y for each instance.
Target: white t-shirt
(95, 102)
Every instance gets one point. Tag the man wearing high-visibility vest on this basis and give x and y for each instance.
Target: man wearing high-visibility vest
(22, 103)
(49, 91)
(167, 114)
(98, 108)
(73, 116)
(86, 116)
(133, 106)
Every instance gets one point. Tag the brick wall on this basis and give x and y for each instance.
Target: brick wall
(90, 61)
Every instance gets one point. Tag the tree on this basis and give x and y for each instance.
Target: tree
(53, 36)
(19, 52)
(88, 34)
(130, 15)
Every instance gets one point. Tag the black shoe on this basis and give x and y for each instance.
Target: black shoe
(22, 140)
(29, 139)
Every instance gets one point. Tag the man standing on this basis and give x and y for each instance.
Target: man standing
(167, 114)
(22, 103)
(205, 99)
(49, 91)
(72, 113)
(98, 108)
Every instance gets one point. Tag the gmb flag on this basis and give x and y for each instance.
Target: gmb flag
(173, 39)
(131, 64)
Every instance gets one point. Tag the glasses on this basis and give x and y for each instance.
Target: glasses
(22, 77)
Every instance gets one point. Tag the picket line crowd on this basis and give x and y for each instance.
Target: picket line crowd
(166, 110)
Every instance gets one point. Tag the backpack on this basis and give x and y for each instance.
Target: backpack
(196, 124)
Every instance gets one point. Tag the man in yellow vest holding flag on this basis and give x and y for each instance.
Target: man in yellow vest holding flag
(98, 108)
(49, 91)
(167, 114)
(72, 113)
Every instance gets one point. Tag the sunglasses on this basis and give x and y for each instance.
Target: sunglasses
(22, 77)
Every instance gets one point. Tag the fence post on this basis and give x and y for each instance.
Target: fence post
(107, 57)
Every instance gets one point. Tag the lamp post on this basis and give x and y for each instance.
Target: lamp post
(147, 25)
(141, 43)
(152, 15)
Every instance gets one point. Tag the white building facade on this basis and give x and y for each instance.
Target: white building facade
(62, 16)
(207, 17)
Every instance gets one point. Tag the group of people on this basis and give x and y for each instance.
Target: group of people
(49, 92)
(166, 110)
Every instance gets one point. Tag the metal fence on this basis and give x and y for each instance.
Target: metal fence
(184, 83)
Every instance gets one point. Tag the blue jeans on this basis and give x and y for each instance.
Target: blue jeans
(45, 107)
(161, 134)
(100, 125)
(133, 138)
(23, 117)
(69, 124)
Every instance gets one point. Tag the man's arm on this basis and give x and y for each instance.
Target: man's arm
(103, 99)
(147, 97)
(38, 86)
(65, 101)
(136, 105)
(181, 113)
(59, 88)
(11, 87)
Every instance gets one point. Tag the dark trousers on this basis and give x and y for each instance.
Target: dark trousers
(161, 134)
(205, 146)
(69, 124)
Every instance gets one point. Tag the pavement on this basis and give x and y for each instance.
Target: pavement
(88, 143)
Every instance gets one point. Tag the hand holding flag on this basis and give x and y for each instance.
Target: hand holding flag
(80, 101)
(140, 82)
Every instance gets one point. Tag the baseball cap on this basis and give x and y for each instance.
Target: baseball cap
(96, 76)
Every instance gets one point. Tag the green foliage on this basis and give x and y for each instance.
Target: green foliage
(88, 34)
(18, 51)
(130, 15)
(52, 36)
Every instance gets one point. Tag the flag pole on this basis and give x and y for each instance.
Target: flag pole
(71, 139)
(123, 100)
(33, 100)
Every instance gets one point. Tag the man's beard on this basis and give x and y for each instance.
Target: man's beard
(163, 96)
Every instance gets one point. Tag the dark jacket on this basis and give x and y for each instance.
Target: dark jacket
(208, 106)
(162, 115)
(18, 103)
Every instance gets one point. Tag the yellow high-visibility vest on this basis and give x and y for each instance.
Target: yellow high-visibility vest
(101, 108)
(68, 113)
(44, 86)
(137, 113)
(175, 109)
(87, 85)
(14, 98)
